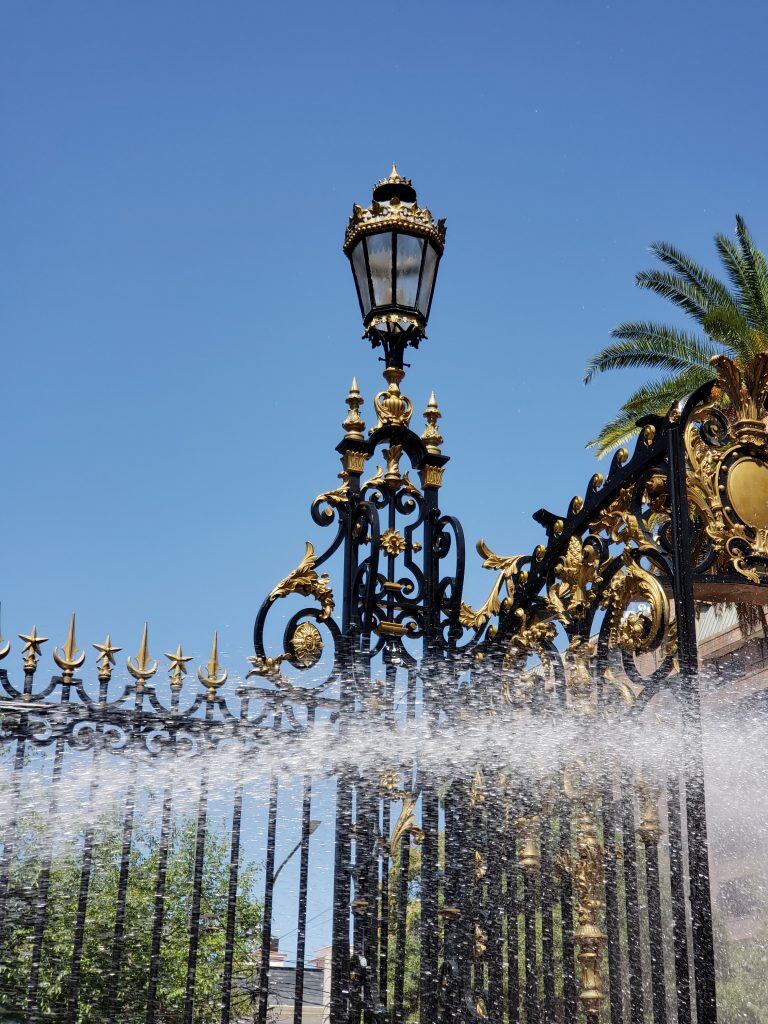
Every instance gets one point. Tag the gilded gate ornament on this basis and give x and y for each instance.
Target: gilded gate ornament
(579, 578)
(508, 567)
(728, 478)
(304, 580)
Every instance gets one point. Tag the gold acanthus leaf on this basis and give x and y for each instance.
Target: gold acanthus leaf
(335, 498)
(304, 580)
(507, 567)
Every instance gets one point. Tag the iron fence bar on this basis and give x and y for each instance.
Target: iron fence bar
(547, 921)
(400, 929)
(532, 1004)
(570, 994)
(301, 938)
(234, 874)
(44, 878)
(269, 876)
(655, 933)
(129, 809)
(513, 970)
(429, 899)
(496, 860)
(632, 910)
(9, 843)
(612, 906)
(677, 888)
(384, 914)
(693, 757)
(341, 893)
(201, 832)
(159, 903)
(82, 896)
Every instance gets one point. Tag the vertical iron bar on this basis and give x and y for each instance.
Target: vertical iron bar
(570, 994)
(513, 965)
(677, 887)
(698, 855)
(384, 916)
(547, 920)
(429, 946)
(655, 933)
(612, 907)
(197, 891)
(234, 874)
(129, 809)
(634, 971)
(44, 879)
(82, 896)
(159, 907)
(532, 1007)
(400, 929)
(269, 881)
(301, 939)
(9, 841)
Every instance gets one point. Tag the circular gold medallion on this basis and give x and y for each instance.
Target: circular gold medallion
(307, 644)
(748, 492)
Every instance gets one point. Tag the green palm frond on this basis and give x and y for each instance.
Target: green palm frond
(689, 297)
(643, 344)
(652, 398)
(733, 315)
(658, 396)
(757, 275)
(716, 291)
(616, 432)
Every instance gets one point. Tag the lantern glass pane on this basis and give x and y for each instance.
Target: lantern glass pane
(409, 249)
(361, 276)
(427, 280)
(380, 262)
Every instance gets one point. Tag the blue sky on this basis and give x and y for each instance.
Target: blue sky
(180, 326)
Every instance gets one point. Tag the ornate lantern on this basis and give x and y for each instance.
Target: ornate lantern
(394, 247)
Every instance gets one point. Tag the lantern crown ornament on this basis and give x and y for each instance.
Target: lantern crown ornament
(394, 246)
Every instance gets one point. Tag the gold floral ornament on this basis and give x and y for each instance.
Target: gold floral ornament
(304, 580)
(649, 794)
(533, 636)
(392, 476)
(579, 574)
(393, 542)
(214, 676)
(69, 658)
(306, 645)
(508, 568)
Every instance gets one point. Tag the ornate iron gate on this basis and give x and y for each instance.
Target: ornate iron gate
(502, 852)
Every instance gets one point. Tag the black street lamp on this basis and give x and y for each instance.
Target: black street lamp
(394, 247)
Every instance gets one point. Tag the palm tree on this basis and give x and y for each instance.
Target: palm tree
(733, 320)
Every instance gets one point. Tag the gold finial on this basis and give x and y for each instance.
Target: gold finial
(353, 425)
(106, 659)
(393, 407)
(211, 678)
(431, 436)
(32, 648)
(178, 667)
(69, 658)
(143, 668)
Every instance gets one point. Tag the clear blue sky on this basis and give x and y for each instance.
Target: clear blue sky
(179, 325)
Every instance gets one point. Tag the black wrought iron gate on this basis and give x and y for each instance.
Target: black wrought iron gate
(508, 845)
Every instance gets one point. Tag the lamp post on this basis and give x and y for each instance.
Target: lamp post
(394, 247)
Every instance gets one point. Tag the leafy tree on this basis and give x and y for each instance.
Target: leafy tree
(732, 319)
(16, 952)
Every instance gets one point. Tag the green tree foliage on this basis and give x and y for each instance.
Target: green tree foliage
(731, 319)
(16, 950)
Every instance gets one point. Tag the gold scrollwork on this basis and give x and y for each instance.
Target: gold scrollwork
(304, 580)
(508, 568)
(644, 629)
(306, 644)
